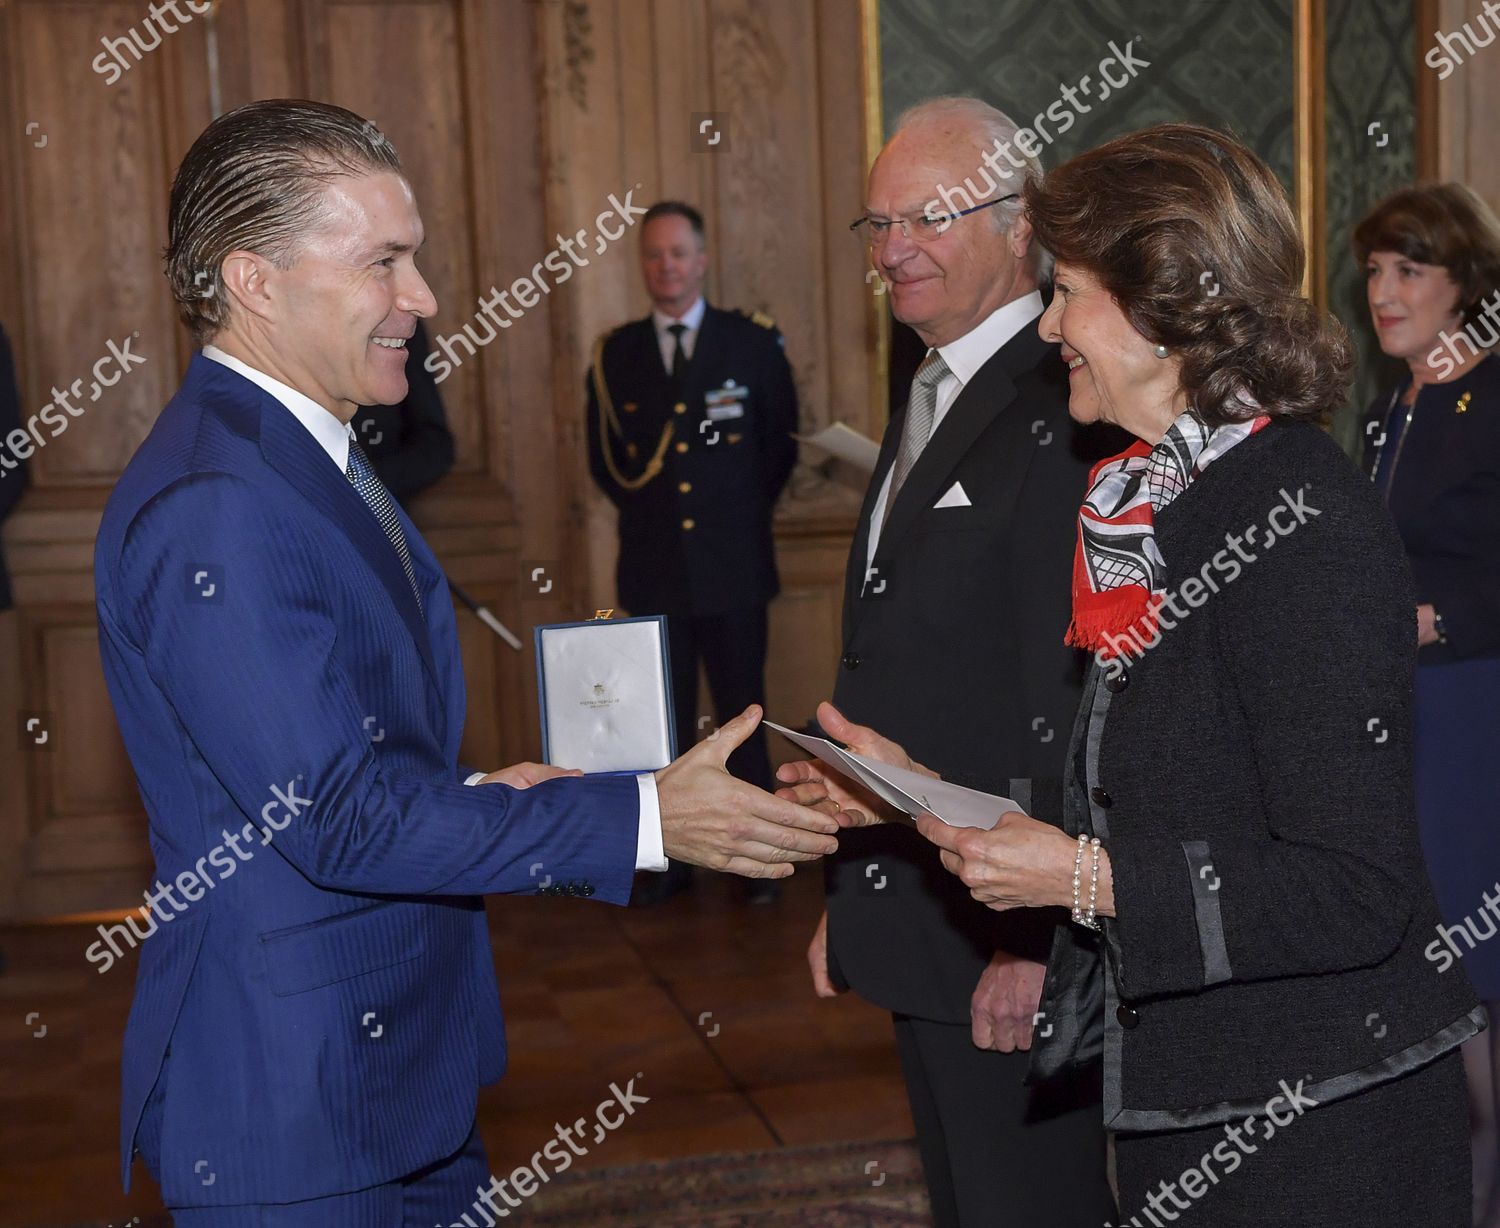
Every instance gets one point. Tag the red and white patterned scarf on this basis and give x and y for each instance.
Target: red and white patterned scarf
(1119, 576)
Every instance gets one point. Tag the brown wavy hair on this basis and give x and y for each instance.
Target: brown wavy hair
(1193, 236)
(1446, 224)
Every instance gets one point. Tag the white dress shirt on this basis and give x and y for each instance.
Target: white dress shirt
(964, 358)
(333, 437)
(692, 317)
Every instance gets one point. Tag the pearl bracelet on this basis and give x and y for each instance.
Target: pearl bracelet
(1082, 916)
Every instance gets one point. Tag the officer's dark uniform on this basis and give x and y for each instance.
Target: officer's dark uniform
(695, 472)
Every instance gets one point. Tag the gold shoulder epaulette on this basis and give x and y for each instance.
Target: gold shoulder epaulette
(761, 318)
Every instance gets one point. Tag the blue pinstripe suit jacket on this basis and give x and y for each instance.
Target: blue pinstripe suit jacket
(322, 1007)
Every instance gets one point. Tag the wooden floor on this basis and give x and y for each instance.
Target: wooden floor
(706, 998)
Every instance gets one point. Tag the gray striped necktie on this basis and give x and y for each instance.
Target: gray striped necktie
(921, 408)
(372, 490)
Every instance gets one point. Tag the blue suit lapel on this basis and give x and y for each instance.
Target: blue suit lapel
(297, 456)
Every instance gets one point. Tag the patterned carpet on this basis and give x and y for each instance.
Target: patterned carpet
(839, 1186)
(845, 1185)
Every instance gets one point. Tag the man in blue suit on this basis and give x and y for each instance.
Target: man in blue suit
(314, 1014)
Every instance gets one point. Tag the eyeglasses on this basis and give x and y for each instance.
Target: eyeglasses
(923, 228)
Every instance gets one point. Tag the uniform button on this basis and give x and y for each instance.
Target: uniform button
(1117, 682)
(586, 890)
(1101, 796)
(689, 523)
(851, 660)
(1127, 1015)
(679, 408)
(682, 447)
(684, 487)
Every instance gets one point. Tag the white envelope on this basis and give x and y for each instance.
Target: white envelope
(956, 497)
(910, 792)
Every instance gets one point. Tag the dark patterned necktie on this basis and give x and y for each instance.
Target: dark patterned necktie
(679, 359)
(378, 499)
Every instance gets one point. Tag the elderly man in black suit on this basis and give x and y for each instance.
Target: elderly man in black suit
(955, 607)
(690, 419)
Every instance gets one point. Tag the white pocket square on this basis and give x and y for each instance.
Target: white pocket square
(956, 497)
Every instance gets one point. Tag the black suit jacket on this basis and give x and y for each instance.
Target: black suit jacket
(12, 479)
(696, 538)
(409, 444)
(1445, 499)
(953, 646)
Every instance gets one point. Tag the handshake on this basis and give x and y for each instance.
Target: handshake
(709, 818)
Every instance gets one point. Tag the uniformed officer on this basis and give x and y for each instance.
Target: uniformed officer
(690, 419)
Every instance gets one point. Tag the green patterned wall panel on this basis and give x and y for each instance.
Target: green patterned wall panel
(1224, 62)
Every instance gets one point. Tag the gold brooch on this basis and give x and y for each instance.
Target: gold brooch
(1463, 403)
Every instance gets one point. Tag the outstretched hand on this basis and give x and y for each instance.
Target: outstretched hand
(709, 818)
(811, 782)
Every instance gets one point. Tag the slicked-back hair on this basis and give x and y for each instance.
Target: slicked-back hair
(1193, 236)
(253, 181)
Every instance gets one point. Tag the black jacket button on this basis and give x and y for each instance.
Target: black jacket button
(586, 890)
(1128, 1016)
(1117, 682)
(1101, 796)
(851, 660)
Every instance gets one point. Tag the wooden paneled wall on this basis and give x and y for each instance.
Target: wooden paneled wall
(628, 84)
(516, 120)
(1458, 94)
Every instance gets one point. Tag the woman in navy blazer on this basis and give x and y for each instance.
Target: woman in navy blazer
(1432, 443)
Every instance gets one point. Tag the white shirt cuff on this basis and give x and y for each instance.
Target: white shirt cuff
(649, 854)
(474, 778)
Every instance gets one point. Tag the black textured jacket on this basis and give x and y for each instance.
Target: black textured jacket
(1251, 778)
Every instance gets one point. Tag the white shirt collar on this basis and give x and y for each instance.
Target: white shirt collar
(977, 346)
(692, 317)
(332, 435)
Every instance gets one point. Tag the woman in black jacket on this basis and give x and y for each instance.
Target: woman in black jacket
(1249, 903)
(1431, 256)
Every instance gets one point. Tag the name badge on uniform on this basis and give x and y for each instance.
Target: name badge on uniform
(726, 402)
